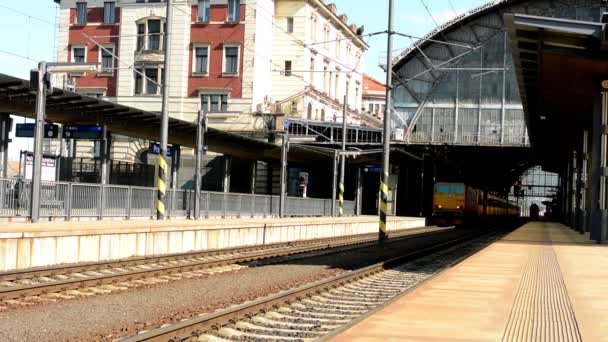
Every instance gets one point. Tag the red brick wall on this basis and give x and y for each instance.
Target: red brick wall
(94, 15)
(76, 37)
(216, 35)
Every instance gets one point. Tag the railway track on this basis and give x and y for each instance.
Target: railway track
(317, 310)
(103, 277)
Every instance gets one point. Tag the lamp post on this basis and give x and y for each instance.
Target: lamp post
(201, 150)
(40, 82)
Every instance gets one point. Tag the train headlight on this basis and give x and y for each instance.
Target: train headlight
(458, 207)
(439, 206)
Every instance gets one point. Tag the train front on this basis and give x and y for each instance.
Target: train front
(449, 200)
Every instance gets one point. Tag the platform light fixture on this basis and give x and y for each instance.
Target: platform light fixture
(40, 82)
(57, 68)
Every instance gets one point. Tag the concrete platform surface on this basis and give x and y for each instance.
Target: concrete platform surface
(26, 245)
(542, 282)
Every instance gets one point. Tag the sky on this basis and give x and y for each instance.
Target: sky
(30, 32)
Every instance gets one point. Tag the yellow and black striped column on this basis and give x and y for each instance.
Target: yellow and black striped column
(383, 207)
(341, 199)
(162, 172)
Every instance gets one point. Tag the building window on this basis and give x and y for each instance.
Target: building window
(348, 53)
(322, 114)
(313, 28)
(312, 71)
(214, 103)
(154, 34)
(326, 36)
(109, 12)
(337, 85)
(148, 1)
(81, 13)
(325, 79)
(371, 108)
(309, 112)
(338, 46)
(79, 54)
(150, 84)
(107, 59)
(201, 59)
(231, 60)
(287, 68)
(150, 34)
(289, 24)
(203, 11)
(234, 10)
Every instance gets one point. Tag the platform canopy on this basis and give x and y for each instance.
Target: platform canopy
(560, 65)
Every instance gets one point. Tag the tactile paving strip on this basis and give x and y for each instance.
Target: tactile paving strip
(542, 310)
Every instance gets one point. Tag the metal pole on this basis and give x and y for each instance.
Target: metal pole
(283, 175)
(104, 154)
(359, 192)
(164, 125)
(574, 194)
(5, 128)
(603, 201)
(334, 183)
(175, 166)
(504, 86)
(343, 157)
(200, 151)
(387, 127)
(584, 182)
(38, 137)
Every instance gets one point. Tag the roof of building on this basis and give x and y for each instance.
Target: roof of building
(436, 34)
(372, 84)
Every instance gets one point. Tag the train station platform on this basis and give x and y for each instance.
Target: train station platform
(26, 245)
(542, 282)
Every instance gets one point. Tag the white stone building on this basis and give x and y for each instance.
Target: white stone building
(317, 56)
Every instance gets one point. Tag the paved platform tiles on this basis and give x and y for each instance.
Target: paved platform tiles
(542, 282)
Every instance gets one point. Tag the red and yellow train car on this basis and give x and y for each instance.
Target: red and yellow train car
(456, 203)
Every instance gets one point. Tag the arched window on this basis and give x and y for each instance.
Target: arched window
(322, 114)
(309, 114)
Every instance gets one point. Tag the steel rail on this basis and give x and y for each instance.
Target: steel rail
(197, 326)
(257, 253)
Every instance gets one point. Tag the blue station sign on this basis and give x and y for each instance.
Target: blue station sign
(154, 148)
(26, 130)
(83, 132)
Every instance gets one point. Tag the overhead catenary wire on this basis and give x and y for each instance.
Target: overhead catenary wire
(18, 56)
(453, 8)
(345, 38)
(129, 66)
(27, 15)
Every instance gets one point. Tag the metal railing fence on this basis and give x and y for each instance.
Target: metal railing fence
(74, 200)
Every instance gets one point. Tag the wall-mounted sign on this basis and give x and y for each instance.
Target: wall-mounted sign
(26, 130)
(83, 132)
(155, 149)
(373, 168)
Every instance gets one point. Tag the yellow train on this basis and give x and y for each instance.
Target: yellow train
(455, 203)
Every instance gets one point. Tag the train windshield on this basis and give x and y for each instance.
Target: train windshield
(458, 188)
(444, 188)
